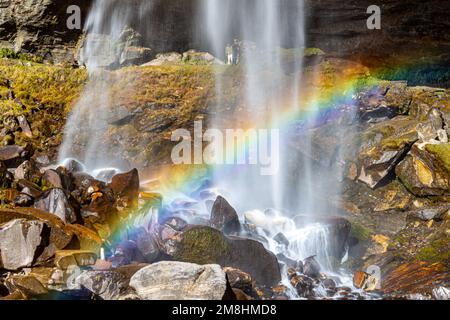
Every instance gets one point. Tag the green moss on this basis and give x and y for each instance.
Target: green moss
(442, 153)
(202, 245)
(438, 251)
(360, 232)
(6, 53)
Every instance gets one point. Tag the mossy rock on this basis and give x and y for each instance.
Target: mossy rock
(206, 245)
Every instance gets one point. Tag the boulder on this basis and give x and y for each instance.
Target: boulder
(134, 55)
(180, 281)
(206, 245)
(224, 217)
(165, 58)
(28, 285)
(29, 188)
(311, 267)
(239, 279)
(57, 202)
(27, 171)
(67, 258)
(415, 278)
(19, 243)
(59, 235)
(52, 179)
(126, 187)
(425, 173)
(378, 171)
(364, 281)
(12, 156)
(303, 285)
(108, 285)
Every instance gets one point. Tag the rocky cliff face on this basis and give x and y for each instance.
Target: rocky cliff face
(412, 28)
(39, 26)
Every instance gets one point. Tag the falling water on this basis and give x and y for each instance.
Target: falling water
(87, 127)
(266, 28)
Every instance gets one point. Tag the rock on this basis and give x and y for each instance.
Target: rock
(304, 286)
(27, 171)
(374, 172)
(126, 187)
(28, 285)
(199, 58)
(415, 278)
(206, 245)
(148, 247)
(19, 242)
(59, 236)
(29, 188)
(290, 263)
(52, 179)
(427, 214)
(329, 283)
(224, 217)
(365, 281)
(180, 281)
(57, 202)
(66, 258)
(423, 174)
(25, 126)
(239, 280)
(12, 156)
(280, 238)
(135, 56)
(165, 58)
(241, 295)
(441, 293)
(311, 267)
(23, 200)
(73, 166)
(108, 285)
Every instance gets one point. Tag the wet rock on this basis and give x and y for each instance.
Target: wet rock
(441, 293)
(73, 166)
(290, 263)
(311, 267)
(126, 187)
(304, 286)
(423, 174)
(205, 245)
(19, 242)
(224, 217)
(365, 281)
(329, 283)
(56, 201)
(12, 156)
(148, 247)
(66, 258)
(241, 295)
(108, 285)
(239, 279)
(280, 238)
(180, 281)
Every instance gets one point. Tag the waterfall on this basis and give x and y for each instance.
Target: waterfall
(86, 130)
